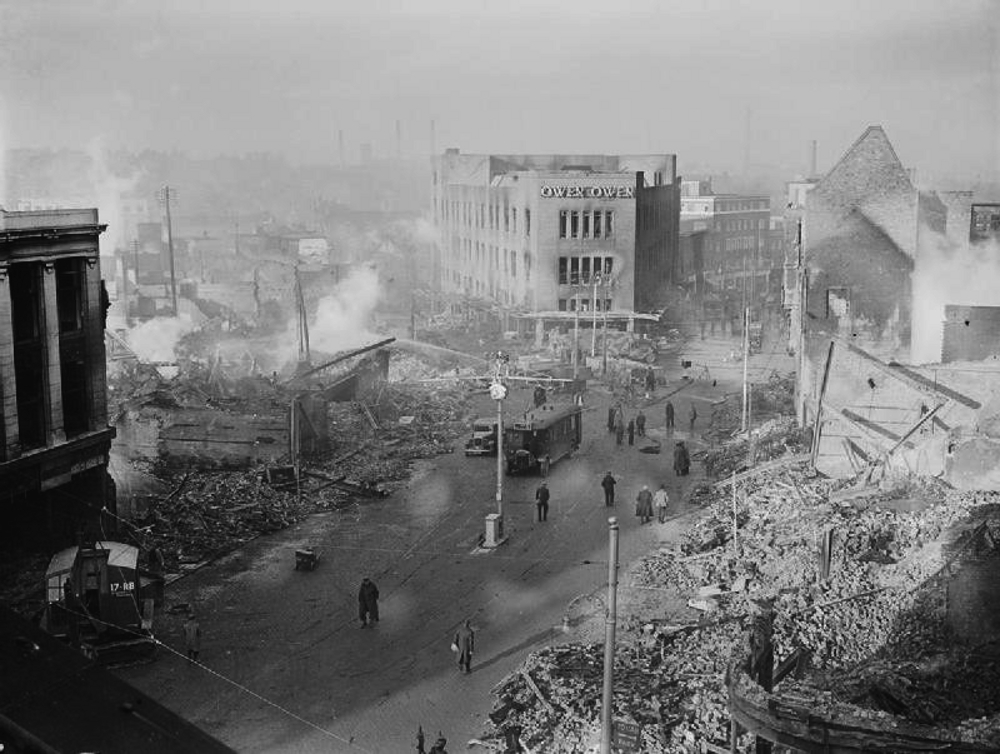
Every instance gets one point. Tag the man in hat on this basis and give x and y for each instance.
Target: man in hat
(465, 640)
(368, 602)
(542, 501)
(192, 637)
(608, 483)
(660, 501)
(669, 412)
(640, 423)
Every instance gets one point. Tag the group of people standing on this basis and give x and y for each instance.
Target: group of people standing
(637, 425)
(618, 425)
(645, 501)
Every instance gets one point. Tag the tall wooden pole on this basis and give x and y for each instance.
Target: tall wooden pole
(609, 636)
(170, 248)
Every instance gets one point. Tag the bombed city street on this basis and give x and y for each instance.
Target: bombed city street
(559, 378)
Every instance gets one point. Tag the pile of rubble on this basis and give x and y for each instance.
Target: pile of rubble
(871, 617)
(770, 399)
(773, 439)
(207, 515)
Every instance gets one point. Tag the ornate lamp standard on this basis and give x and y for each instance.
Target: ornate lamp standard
(498, 391)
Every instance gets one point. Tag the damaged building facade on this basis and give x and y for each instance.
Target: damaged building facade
(861, 320)
(54, 437)
(537, 233)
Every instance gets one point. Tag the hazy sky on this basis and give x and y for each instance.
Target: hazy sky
(525, 76)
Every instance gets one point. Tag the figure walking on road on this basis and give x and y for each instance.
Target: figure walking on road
(465, 640)
(619, 431)
(693, 416)
(660, 501)
(682, 462)
(640, 423)
(631, 431)
(368, 603)
(608, 483)
(669, 411)
(611, 418)
(192, 637)
(542, 501)
(644, 505)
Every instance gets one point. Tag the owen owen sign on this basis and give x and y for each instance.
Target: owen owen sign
(588, 192)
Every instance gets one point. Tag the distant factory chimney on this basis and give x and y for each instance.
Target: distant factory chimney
(399, 140)
(340, 142)
(433, 139)
(812, 158)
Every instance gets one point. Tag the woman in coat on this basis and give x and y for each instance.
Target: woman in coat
(465, 640)
(644, 505)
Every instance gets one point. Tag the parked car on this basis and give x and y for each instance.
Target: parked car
(484, 438)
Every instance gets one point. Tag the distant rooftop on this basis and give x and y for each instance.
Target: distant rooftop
(47, 218)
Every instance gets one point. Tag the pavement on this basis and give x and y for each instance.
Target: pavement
(285, 666)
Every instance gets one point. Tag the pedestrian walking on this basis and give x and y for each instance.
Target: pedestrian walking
(545, 464)
(631, 431)
(669, 411)
(368, 602)
(640, 423)
(542, 501)
(660, 502)
(619, 431)
(650, 380)
(608, 483)
(682, 462)
(644, 505)
(192, 637)
(611, 418)
(693, 416)
(465, 640)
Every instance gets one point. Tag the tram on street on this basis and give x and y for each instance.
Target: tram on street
(548, 431)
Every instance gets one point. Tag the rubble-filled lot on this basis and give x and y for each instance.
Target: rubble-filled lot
(875, 628)
(209, 512)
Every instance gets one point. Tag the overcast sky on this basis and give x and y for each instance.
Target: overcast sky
(608, 76)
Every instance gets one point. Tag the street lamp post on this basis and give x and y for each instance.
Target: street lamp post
(610, 618)
(498, 391)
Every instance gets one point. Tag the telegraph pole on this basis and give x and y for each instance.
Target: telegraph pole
(593, 305)
(610, 618)
(576, 332)
(165, 194)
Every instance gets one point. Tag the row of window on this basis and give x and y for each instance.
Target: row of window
(584, 270)
(492, 216)
(491, 256)
(478, 287)
(731, 225)
(586, 224)
(570, 304)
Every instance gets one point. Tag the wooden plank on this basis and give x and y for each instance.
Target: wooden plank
(531, 684)
(936, 387)
(776, 464)
(926, 417)
(818, 424)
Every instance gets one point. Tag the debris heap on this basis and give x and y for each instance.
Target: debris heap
(871, 618)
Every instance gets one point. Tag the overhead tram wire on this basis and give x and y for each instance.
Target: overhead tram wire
(350, 742)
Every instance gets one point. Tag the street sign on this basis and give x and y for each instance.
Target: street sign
(625, 736)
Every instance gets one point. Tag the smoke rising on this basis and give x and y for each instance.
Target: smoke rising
(156, 339)
(108, 190)
(342, 318)
(949, 273)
